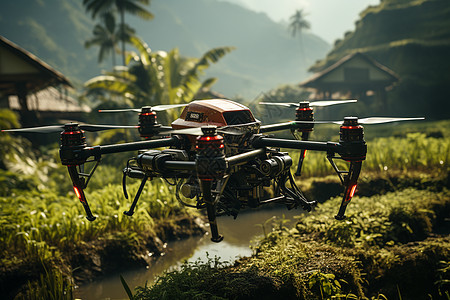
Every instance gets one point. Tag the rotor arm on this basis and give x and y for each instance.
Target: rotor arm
(277, 127)
(125, 147)
(68, 155)
(262, 141)
(243, 158)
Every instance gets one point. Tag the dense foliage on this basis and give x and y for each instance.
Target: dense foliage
(44, 235)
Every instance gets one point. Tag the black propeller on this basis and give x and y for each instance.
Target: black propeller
(59, 128)
(364, 121)
(311, 103)
(381, 120)
(150, 108)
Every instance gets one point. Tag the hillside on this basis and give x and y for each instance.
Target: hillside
(265, 56)
(54, 31)
(413, 39)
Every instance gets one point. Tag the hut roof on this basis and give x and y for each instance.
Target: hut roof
(17, 65)
(379, 73)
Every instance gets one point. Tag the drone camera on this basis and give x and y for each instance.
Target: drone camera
(276, 165)
(153, 161)
(190, 190)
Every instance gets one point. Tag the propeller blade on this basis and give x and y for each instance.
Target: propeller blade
(42, 129)
(291, 124)
(188, 131)
(276, 127)
(330, 102)
(120, 110)
(381, 120)
(154, 108)
(167, 106)
(280, 104)
(312, 103)
(59, 128)
(366, 121)
(93, 128)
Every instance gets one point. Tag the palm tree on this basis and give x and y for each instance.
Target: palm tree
(105, 37)
(99, 7)
(297, 24)
(157, 77)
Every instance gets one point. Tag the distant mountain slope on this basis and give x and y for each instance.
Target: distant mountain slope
(54, 31)
(413, 39)
(265, 56)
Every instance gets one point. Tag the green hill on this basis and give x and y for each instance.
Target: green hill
(413, 39)
(265, 56)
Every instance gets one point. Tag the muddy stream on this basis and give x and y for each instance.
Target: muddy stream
(238, 237)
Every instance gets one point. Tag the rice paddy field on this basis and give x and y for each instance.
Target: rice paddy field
(393, 245)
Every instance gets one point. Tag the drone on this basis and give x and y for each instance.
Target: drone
(219, 156)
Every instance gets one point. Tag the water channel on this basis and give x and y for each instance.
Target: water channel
(238, 237)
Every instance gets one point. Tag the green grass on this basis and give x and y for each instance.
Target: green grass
(60, 221)
(42, 227)
(43, 223)
(413, 152)
(386, 245)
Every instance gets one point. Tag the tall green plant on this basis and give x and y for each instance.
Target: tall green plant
(99, 7)
(107, 35)
(297, 24)
(157, 77)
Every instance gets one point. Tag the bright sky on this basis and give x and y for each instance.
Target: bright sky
(329, 19)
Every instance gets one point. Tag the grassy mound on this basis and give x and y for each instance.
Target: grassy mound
(390, 245)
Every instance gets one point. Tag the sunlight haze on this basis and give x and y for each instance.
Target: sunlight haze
(329, 19)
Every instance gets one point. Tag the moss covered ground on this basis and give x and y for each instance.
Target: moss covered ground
(393, 245)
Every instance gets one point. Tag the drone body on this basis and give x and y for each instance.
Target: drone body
(218, 157)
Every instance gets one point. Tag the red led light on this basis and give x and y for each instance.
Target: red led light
(304, 153)
(77, 192)
(352, 191)
(209, 138)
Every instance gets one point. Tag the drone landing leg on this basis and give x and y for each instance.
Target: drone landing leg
(205, 186)
(130, 212)
(305, 137)
(78, 185)
(350, 187)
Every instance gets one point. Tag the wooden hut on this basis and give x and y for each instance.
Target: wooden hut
(356, 75)
(31, 87)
